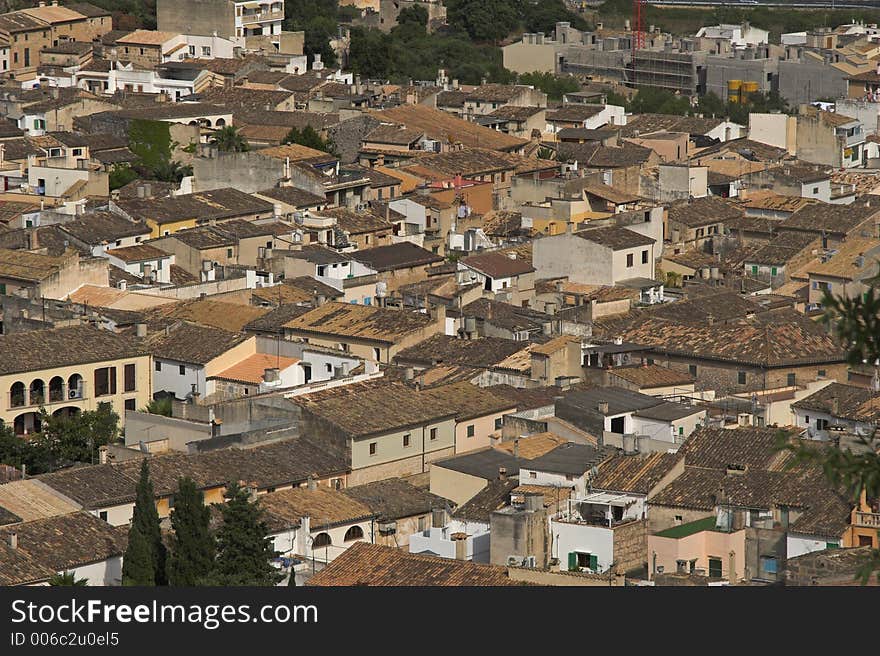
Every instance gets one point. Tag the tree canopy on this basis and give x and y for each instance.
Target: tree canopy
(192, 545)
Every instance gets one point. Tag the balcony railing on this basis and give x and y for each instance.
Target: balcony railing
(49, 396)
(261, 17)
(867, 519)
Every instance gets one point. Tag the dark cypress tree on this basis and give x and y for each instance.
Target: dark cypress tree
(192, 546)
(137, 563)
(243, 550)
(146, 520)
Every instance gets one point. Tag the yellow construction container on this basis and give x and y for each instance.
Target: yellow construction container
(733, 90)
(747, 91)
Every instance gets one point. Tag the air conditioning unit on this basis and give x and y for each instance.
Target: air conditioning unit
(73, 394)
(529, 561)
(387, 528)
(513, 561)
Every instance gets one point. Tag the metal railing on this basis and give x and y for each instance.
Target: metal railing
(48, 396)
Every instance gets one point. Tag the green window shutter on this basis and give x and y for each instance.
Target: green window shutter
(681, 430)
(832, 545)
(754, 271)
(594, 562)
(572, 561)
(772, 271)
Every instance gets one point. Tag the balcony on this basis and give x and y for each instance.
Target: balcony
(262, 17)
(25, 399)
(866, 519)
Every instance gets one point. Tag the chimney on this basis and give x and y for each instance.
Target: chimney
(102, 454)
(502, 473)
(834, 408)
(438, 518)
(13, 540)
(311, 483)
(731, 568)
(271, 374)
(516, 448)
(710, 319)
(140, 329)
(408, 373)
(603, 407)
(460, 540)
(215, 428)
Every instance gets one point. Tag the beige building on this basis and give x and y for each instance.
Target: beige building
(34, 275)
(367, 331)
(388, 429)
(69, 370)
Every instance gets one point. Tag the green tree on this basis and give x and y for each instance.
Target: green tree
(319, 20)
(243, 550)
(67, 578)
(228, 140)
(649, 100)
(308, 137)
(485, 20)
(160, 406)
(120, 175)
(77, 438)
(414, 14)
(137, 562)
(554, 86)
(856, 323)
(145, 521)
(192, 545)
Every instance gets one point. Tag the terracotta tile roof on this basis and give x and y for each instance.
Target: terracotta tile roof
(445, 127)
(554, 345)
(469, 401)
(647, 123)
(30, 267)
(402, 255)
(60, 347)
(375, 565)
(703, 211)
(188, 342)
(481, 352)
(637, 474)
(369, 408)
(18, 567)
(138, 253)
(296, 197)
(356, 223)
(652, 375)
(147, 37)
(393, 499)
(716, 448)
(325, 508)
(231, 317)
(215, 204)
(754, 342)
(296, 153)
(495, 496)
(393, 134)
(512, 113)
(29, 499)
(843, 401)
(783, 248)
(360, 321)
(497, 265)
(529, 398)
(595, 155)
(574, 113)
(532, 446)
(616, 238)
(68, 541)
(252, 368)
(833, 219)
(845, 262)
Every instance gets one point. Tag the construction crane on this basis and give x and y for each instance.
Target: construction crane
(638, 32)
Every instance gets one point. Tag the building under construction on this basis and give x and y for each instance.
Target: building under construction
(679, 72)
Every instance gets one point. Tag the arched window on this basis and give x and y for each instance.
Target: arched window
(354, 533)
(321, 540)
(75, 387)
(16, 395)
(220, 122)
(37, 392)
(56, 389)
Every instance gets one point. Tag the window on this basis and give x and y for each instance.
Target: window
(821, 373)
(192, 51)
(741, 377)
(498, 423)
(372, 448)
(406, 440)
(377, 352)
(321, 540)
(128, 378)
(791, 380)
(105, 381)
(815, 190)
(650, 361)
(158, 366)
(433, 434)
(681, 431)
(767, 566)
(832, 545)
(470, 430)
(206, 51)
(103, 515)
(678, 519)
(228, 252)
(354, 533)
(130, 404)
(715, 568)
(533, 474)
(754, 270)
(629, 260)
(644, 257)
(182, 370)
(692, 369)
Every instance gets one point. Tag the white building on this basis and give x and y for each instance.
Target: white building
(739, 36)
